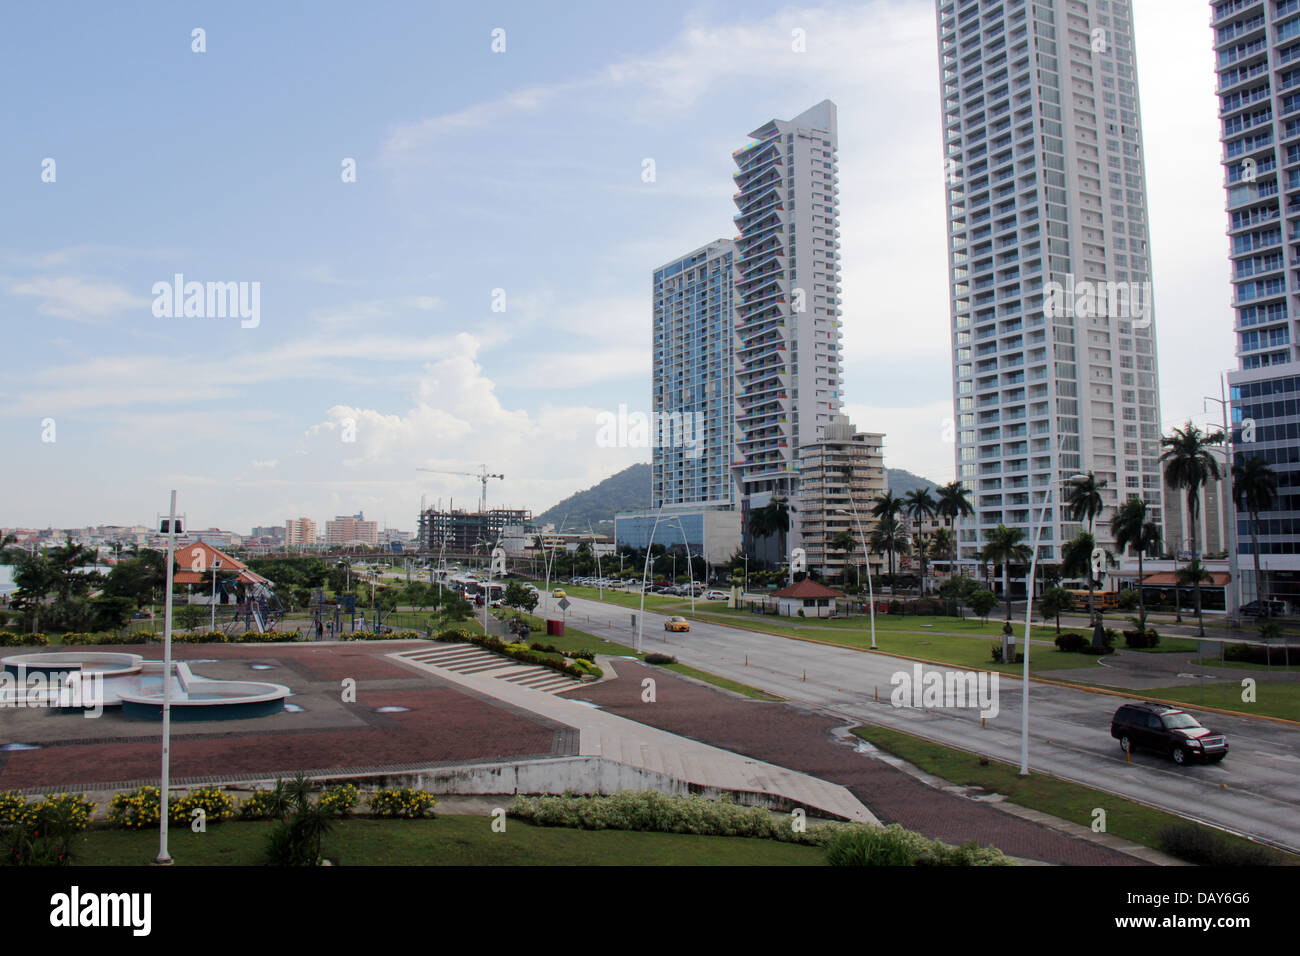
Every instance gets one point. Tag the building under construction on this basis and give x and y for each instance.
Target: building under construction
(463, 532)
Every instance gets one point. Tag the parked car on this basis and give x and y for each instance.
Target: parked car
(1267, 609)
(677, 624)
(715, 595)
(1168, 730)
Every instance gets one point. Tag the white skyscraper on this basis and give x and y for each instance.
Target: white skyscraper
(1054, 348)
(787, 336)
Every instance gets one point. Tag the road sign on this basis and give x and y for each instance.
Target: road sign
(563, 604)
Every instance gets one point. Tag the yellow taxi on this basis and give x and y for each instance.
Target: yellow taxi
(677, 624)
(558, 593)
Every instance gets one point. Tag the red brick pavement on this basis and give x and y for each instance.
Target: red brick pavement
(782, 735)
(444, 725)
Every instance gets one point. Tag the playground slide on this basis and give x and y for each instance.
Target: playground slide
(257, 620)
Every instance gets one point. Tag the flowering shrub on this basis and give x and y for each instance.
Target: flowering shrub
(135, 809)
(12, 804)
(200, 637)
(10, 639)
(265, 805)
(61, 812)
(386, 636)
(216, 804)
(341, 800)
(659, 812)
(405, 804)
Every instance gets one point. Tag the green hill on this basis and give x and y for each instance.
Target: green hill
(629, 490)
(901, 481)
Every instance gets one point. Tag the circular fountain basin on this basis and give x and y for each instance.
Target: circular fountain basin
(104, 663)
(201, 699)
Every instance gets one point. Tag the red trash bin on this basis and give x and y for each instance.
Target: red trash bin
(554, 628)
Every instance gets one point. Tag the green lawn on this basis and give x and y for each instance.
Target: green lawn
(1060, 798)
(656, 602)
(970, 651)
(453, 840)
(1272, 698)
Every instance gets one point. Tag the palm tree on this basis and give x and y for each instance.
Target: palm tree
(887, 507)
(953, 505)
(1189, 465)
(1131, 526)
(920, 506)
(888, 536)
(845, 543)
(1006, 546)
(941, 542)
(1254, 485)
(1085, 503)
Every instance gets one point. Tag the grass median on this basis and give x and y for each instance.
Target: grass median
(1074, 802)
(452, 840)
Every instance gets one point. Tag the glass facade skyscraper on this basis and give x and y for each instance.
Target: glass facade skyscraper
(692, 380)
(1053, 335)
(1257, 56)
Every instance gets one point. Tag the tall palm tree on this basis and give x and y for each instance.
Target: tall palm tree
(920, 506)
(845, 543)
(1006, 546)
(888, 507)
(888, 536)
(1189, 464)
(953, 505)
(1132, 527)
(1085, 504)
(1254, 485)
(941, 542)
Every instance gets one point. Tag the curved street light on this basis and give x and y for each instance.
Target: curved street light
(866, 557)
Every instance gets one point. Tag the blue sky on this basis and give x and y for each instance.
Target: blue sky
(476, 171)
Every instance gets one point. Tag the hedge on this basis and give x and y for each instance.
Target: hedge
(578, 667)
(10, 639)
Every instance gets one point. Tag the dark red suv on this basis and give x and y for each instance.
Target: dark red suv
(1168, 730)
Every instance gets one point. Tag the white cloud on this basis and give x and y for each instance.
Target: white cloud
(78, 298)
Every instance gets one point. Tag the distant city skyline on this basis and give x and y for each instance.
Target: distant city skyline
(523, 187)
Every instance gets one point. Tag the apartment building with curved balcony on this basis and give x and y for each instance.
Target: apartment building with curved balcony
(1053, 334)
(787, 302)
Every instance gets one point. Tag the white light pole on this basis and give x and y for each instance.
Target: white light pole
(550, 559)
(1233, 592)
(171, 530)
(1029, 615)
(866, 557)
(690, 572)
(640, 618)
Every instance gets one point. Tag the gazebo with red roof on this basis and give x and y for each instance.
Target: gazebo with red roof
(808, 598)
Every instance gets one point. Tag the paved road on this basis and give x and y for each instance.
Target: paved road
(1254, 791)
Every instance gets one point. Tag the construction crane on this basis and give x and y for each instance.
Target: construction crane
(482, 475)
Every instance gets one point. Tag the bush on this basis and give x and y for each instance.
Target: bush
(200, 637)
(1202, 846)
(1096, 651)
(895, 607)
(41, 834)
(996, 651)
(10, 639)
(12, 804)
(895, 846)
(403, 804)
(135, 809)
(265, 804)
(1127, 599)
(340, 800)
(1071, 643)
(649, 810)
(1246, 653)
(982, 602)
(265, 637)
(1138, 639)
(657, 658)
(216, 804)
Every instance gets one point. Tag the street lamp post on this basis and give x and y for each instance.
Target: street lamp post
(866, 557)
(1076, 479)
(640, 618)
(1233, 592)
(170, 524)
